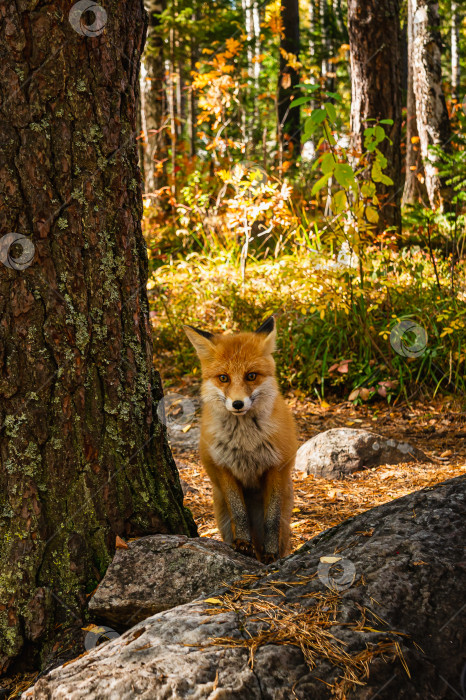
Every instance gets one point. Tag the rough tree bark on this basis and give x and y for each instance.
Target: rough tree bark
(289, 119)
(401, 575)
(433, 124)
(414, 187)
(374, 35)
(154, 101)
(82, 455)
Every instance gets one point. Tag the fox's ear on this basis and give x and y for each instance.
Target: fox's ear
(269, 331)
(202, 341)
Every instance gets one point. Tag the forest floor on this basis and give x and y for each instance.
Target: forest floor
(438, 428)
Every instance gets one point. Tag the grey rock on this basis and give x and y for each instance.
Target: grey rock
(187, 488)
(162, 571)
(410, 569)
(185, 441)
(342, 451)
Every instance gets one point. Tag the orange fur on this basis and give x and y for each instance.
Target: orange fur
(247, 451)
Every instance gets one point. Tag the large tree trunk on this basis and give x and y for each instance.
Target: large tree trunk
(154, 101)
(376, 90)
(289, 119)
(414, 187)
(82, 455)
(431, 112)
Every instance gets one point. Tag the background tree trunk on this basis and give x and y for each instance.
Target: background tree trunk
(414, 187)
(252, 26)
(374, 35)
(327, 48)
(289, 119)
(82, 455)
(431, 111)
(455, 51)
(154, 101)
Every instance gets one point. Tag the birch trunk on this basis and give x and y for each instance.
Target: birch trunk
(252, 26)
(414, 187)
(455, 51)
(431, 111)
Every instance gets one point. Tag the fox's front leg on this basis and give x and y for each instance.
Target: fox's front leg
(233, 497)
(278, 503)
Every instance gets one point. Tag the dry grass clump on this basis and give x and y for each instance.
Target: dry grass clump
(308, 628)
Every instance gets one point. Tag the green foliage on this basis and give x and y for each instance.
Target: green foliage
(308, 229)
(334, 336)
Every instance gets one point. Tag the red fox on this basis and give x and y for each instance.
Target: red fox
(248, 440)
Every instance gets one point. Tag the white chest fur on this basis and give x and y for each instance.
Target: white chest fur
(244, 445)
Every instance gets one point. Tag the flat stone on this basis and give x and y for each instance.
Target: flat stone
(162, 571)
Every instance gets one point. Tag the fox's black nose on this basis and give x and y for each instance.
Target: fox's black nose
(238, 405)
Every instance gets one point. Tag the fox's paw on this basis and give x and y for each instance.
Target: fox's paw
(268, 557)
(244, 547)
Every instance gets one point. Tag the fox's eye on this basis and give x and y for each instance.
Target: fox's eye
(251, 376)
(224, 378)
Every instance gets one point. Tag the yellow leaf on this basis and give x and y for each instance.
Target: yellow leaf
(372, 215)
(214, 601)
(330, 560)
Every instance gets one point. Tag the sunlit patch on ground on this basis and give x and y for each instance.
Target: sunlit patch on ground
(323, 503)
